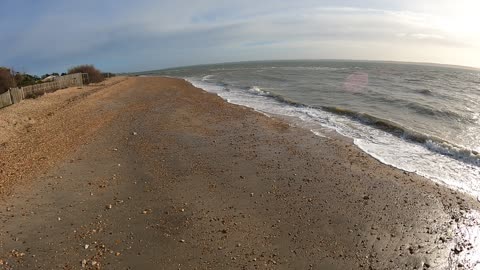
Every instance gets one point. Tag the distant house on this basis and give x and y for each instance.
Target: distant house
(50, 78)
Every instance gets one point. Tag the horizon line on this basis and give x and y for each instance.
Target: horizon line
(320, 59)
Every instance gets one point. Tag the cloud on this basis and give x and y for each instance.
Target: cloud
(151, 34)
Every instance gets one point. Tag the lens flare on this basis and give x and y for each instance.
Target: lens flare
(356, 82)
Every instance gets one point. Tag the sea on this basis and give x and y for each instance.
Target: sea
(419, 118)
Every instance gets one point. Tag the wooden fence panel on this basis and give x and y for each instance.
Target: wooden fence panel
(27, 91)
(69, 80)
(5, 99)
(17, 95)
(49, 87)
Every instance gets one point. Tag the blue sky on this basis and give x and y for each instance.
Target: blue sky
(120, 36)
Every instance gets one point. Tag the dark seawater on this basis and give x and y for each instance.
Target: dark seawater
(419, 118)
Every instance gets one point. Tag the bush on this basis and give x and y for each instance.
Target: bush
(24, 79)
(6, 80)
(94, 75)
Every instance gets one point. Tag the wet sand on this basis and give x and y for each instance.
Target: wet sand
(153, 173)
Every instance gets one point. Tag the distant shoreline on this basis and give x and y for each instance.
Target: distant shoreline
(303, 60)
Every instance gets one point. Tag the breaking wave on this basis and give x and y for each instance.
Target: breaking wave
(432, 143)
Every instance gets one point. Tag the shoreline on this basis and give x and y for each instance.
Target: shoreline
(451, 164)
(165, 173)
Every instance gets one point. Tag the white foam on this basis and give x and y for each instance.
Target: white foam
(207, 77)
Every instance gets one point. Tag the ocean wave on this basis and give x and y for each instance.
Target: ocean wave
(311, 68)
(207, 77)
(389, 142)
(426, 92)
(456, 152)
(255, 90)
(258, 91)
(428, 110)
(413, 80)
(432, 143)
(379, 123)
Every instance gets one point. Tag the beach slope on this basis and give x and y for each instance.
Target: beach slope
(153, 173)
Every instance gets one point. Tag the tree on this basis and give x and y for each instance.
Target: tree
(94, 75)
(7, 80)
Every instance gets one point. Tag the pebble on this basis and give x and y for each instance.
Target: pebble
(86, 246)
(134, 133)
(458, 248)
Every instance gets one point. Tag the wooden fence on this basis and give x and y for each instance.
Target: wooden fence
(15, 95)
(5, 99)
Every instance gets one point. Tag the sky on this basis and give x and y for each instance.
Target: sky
(47, 36)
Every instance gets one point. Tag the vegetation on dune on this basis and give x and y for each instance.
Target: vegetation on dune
(24, 79)
(7, 79)
(94, 75)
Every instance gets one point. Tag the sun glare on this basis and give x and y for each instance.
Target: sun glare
(462, 18)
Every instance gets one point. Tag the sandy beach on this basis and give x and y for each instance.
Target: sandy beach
(153, 173)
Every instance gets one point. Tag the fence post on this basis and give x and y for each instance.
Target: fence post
(11, 96)
(85, 78)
